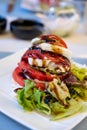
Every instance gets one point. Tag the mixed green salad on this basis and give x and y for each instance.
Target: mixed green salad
(31, 98)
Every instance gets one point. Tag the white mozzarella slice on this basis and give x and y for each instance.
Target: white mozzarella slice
(55, 48)
(30, 61)
(44, 63)
(61, 68)
(35, 40)
(39, 62)
(52, 66)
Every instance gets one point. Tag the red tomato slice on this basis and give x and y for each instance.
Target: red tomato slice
(32, 53)
(53, 39)
(33, 73)
(35, 54)
(18, 76)
(57, 59)
(47, 2)
(40, 85)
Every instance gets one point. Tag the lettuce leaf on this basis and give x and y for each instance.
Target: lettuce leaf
(79, 91)
(31, 98)
(73, 108)
(23, 95)
(79, 72)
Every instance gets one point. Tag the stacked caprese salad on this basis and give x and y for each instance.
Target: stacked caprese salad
(44, 72)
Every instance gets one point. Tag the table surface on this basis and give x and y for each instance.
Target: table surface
(9, 44)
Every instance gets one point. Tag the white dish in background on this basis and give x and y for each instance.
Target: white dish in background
(10, 107)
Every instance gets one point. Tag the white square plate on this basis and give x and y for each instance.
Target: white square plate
(10, 107)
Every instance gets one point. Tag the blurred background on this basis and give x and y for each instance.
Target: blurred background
(26, 19)
(67, 15)
(22, 20)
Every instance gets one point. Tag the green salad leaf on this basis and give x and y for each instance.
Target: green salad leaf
(73, 108)
(79, 88)
(31, 98)
(79, 72)
(78, 92)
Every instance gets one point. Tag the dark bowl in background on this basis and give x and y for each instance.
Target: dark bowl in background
(3, 23)
(26, 29)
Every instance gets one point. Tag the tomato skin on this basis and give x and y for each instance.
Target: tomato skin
(35, 54)
(18, 76)
(33, 73)
(58, 40)
(40, 86)
(47, 2)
